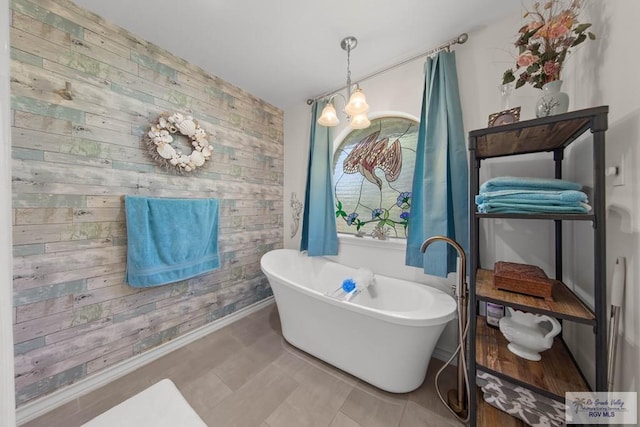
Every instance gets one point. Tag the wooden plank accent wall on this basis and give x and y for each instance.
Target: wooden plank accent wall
(75, 159)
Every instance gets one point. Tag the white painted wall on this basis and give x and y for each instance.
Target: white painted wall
(7, 402)
(603, 72)
(608, 76)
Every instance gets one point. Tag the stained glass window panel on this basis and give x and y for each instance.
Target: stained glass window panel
(373, 173)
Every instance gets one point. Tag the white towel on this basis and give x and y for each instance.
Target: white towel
(364, 278)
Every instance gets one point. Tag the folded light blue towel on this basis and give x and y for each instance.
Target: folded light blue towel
(527, 208)
(528, 183)
(532, 196)
(170, 239)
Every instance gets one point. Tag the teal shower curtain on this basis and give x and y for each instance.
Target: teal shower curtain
(440, 183)
(319, 232)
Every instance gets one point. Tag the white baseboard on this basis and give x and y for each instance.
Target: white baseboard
(39, 407)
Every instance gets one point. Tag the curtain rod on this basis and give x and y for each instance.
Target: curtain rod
(462, 38)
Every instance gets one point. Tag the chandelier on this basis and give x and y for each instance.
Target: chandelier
(357, 107)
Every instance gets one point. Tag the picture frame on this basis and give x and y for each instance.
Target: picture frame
(505, 117)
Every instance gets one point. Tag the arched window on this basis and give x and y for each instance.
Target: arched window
(373, 173)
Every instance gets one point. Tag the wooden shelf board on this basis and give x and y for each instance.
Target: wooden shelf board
(488, 416)
(533, 136)
(566, 304)
(552, 376)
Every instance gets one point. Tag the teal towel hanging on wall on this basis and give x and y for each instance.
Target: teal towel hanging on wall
(169, 240)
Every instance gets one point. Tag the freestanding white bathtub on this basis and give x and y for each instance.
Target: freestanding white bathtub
(384, 335)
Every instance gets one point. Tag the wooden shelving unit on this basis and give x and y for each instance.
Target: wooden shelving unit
(557, 372)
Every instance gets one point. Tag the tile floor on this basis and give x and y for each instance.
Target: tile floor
(246, 374)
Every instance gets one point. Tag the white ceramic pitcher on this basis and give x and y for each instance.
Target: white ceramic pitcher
(527, 338)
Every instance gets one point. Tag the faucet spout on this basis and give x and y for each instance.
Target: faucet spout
(462, 274)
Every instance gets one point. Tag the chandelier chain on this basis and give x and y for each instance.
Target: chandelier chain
(348, 70)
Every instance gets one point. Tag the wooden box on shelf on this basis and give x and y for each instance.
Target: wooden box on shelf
(523, 279)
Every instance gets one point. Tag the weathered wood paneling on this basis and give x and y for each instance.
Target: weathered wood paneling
(84, 93)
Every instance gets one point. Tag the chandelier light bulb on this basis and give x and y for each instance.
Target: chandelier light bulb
(329, 116)
(357, 103)
(359, 121)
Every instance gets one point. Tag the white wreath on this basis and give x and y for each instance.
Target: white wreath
(160, 139)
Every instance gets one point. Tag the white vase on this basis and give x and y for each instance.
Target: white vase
(552, 101)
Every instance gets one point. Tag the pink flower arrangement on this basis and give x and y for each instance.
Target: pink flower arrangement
(545, 41)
